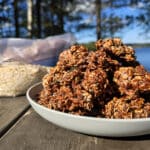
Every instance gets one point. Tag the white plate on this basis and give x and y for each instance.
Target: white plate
(89, 125)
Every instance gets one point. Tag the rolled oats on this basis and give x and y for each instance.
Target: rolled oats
(17, 77)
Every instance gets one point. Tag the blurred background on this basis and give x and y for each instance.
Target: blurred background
(88, 20)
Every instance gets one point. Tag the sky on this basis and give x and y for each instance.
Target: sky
(130, 34)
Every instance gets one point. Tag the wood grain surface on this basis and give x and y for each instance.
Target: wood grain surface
(35, 133)
(10, 110)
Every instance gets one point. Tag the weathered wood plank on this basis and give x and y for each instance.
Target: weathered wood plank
(33, 132)
(10, 110)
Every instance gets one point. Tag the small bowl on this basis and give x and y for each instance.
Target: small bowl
(89, 125)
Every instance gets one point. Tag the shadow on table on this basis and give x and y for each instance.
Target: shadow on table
(131, 138)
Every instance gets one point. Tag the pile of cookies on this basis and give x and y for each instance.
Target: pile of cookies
(108, 82)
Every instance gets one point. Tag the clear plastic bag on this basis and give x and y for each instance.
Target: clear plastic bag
(39, 51)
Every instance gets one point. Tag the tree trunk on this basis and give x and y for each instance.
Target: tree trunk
(38, 15)
(111, 22)
(98, 18)
(61, 19)
(29, 17)
(16, 17)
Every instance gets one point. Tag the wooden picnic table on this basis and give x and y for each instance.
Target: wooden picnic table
(21, 128)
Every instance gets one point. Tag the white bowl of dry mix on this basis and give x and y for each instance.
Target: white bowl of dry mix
(104, 92)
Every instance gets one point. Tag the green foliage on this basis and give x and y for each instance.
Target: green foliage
(90, 46)
(60, 16)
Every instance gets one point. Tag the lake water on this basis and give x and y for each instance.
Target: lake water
(143, 56)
